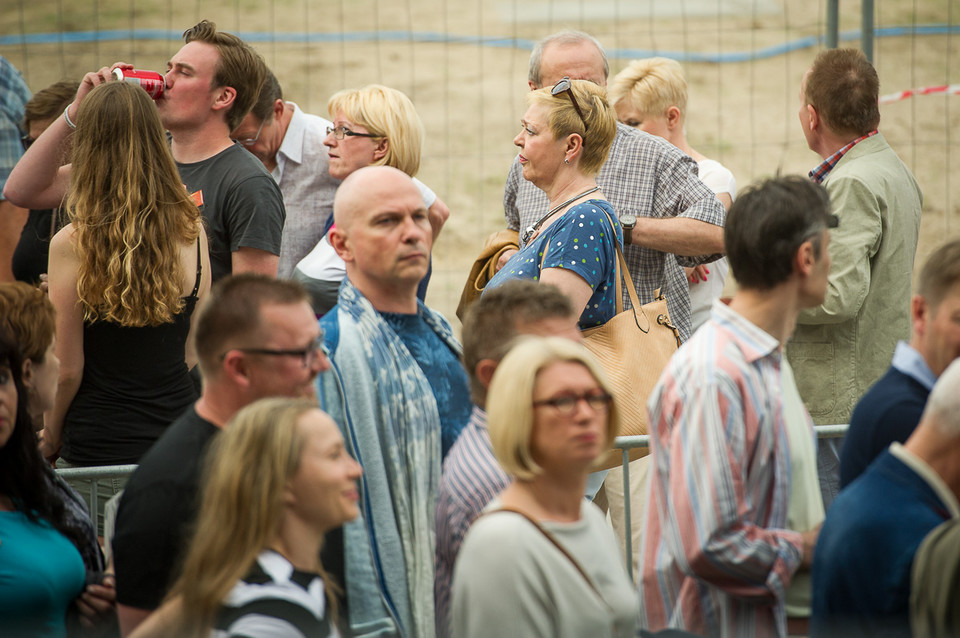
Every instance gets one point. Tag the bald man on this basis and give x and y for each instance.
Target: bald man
(398, 392)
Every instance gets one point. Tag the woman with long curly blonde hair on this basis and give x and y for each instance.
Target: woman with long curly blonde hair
(276, 480)
(124, 275)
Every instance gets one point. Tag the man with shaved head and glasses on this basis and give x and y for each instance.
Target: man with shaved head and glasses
(669, 217)
(256, 337)
(734, 508)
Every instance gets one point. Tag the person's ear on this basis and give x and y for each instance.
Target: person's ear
(919, 310)
(574, 146)
(805, 259)
(673, 117)
(813, 117)
(27, 373)
(225, 98)
(381, 151)
(236, 366)
(341, 243)
(484, 371)
(278, 107)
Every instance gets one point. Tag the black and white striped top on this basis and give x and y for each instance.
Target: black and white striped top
(275, 600)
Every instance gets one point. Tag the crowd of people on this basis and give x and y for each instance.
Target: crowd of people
(229, 293)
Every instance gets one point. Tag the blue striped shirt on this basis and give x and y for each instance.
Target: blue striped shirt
(471, 478)
(716, 556)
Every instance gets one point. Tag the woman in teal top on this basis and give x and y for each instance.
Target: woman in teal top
(566, 135)
(41, 571)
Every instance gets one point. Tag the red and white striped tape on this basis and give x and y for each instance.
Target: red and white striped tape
(946, 89)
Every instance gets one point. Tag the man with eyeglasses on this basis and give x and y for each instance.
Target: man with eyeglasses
(399, 393)
(256, 337)
(669, 217)
(289, 142)
(734, 509)
(210, 85)
(14, 95)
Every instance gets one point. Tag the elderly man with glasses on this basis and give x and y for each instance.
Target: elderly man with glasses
(289, 143)
(256, 337)
(735, 509)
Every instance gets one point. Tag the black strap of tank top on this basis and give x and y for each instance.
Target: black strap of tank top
(196, 285)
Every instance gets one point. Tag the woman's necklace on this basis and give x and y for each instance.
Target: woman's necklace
(532, 229)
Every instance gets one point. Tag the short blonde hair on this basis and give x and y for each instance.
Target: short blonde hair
(652, 85)
(510, 415)
(563, 120)
(388, 113)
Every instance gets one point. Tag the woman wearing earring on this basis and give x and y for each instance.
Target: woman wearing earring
(565, 137)
(542, 560)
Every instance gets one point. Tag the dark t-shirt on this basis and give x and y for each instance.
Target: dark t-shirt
(157, 508)
(240, 201)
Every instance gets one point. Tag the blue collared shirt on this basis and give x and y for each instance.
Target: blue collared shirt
(910, 362)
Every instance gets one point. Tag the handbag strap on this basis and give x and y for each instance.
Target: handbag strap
(556, 543)
(621, 270)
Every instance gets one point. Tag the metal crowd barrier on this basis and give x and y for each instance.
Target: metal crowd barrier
(94, 475)
(627, 443)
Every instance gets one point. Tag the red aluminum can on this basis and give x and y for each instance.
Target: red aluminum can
(151, 81)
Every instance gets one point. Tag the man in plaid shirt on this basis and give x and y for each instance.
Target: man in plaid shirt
(14, 94)
(678, 219)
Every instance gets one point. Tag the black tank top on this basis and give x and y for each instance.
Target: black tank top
(135, 383)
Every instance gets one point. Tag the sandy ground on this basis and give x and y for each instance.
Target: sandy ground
(470, 95)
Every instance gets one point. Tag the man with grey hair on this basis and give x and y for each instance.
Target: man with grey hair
(669, 217)
(289, 142)
(861, 569)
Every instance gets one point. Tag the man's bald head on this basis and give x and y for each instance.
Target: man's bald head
(368, 184)
(383, 235)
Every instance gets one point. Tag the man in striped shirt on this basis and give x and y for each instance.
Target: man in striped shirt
(732, 447)
(471, 474)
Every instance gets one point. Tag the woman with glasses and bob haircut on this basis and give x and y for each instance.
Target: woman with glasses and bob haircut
(275, 481)
(565, 136)
(372, 126)
(125, 275)
(542, 560)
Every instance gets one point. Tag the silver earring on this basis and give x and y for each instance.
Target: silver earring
(566, 161)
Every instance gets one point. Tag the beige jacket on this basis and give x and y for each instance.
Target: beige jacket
(843, 346)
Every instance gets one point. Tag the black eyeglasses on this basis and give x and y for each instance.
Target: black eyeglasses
(250, 141)
(567, 405)
(308, 355)
(565, 86)
(341, 131)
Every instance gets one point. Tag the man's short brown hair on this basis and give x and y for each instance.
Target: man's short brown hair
(232, 313)
(844, 89)
(490, 324)
(239, 67)
(940, 273)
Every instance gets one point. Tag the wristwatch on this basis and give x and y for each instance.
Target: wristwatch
(628, 223)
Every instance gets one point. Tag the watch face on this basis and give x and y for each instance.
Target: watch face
(628, 221)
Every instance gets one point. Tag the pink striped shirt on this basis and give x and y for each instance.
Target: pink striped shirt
(716, 558)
